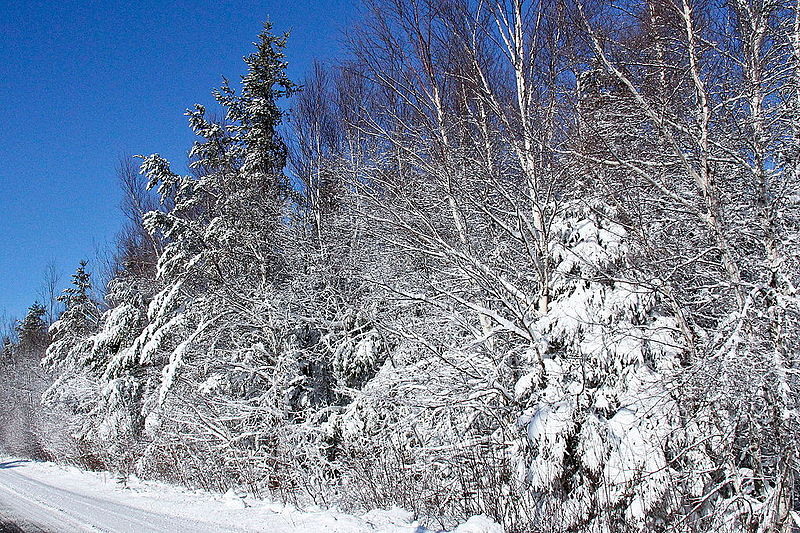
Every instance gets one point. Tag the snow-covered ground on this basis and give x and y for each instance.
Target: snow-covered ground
(64, 499)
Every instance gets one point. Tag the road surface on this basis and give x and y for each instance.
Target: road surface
(41, 497)
(34, 506)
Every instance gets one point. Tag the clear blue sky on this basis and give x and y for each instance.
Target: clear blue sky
(82, 83)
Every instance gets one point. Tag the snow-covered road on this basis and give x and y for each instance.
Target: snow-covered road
(38, 497)
(44, 497)
(33, 504)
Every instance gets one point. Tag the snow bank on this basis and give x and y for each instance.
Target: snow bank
(230, 512)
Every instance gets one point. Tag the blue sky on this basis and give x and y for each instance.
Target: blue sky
(82, 83)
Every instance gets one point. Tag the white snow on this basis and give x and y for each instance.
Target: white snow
(479, 524)
(67, 499)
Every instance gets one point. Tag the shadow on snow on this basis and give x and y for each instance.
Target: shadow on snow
(13, 464)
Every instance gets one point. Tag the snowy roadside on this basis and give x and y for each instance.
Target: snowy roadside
(80, 500)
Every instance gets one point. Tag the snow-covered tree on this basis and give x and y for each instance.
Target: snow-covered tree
(601, 413)
(70, 353)
(532, 259)
(214, 329)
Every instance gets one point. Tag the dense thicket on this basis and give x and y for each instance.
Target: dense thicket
(533, 259)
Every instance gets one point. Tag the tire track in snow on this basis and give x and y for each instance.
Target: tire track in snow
(56, 509)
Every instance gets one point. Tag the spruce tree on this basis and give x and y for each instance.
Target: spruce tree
(32, 330)
(78, 294)
(222, 254)
(79, 319)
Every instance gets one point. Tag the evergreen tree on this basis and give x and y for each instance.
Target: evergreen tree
(79, 319)
(225, 220)
(7, 351)
(221, 229)
(32, 330)
(70, 352)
